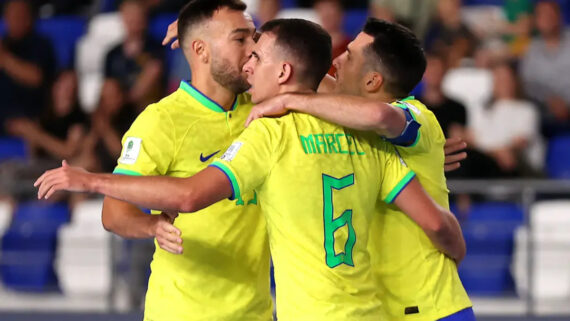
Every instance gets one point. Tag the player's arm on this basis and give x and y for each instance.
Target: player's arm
(158, 192)
(348, 111)
(438, 223)
(128, 221)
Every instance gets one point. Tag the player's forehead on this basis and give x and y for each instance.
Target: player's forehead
(264, 45)
(226, 22)
(360, 42)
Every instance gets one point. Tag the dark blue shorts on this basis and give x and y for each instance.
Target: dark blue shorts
(463, 315)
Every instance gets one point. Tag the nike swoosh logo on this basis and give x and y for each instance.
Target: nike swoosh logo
(205, 159)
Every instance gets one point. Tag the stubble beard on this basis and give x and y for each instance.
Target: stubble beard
(228, 76)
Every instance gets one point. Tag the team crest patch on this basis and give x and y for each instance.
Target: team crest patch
(232, 151)
(131, 150)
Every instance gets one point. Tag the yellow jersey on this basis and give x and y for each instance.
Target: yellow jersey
(223, 273)
(318, 185)
(416, 280)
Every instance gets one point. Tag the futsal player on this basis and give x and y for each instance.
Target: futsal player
(318, 183)
(223, 271)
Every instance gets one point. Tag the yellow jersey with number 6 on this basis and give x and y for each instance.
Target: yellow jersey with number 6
(319, 186)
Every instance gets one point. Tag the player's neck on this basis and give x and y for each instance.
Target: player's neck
(380, 96)
(294, 88)
(214, 91)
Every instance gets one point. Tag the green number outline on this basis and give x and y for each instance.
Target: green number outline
(331, 225)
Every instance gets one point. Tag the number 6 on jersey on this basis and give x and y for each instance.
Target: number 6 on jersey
(331, 224)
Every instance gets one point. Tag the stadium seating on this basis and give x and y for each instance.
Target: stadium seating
(84, 248)
(28, 246)
(470, 86)
(354, 21)
(104, 32)
(5, 216)
(558, 157)
(64, 32)
(13, 148)
(488, 234)
(551, 252)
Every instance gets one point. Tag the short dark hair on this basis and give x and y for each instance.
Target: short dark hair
(196, 11)
(397, 54)
(308, 43)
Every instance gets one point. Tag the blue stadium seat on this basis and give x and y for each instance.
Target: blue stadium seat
(354, 21)
(64, 32)
(157, 26)
(486, 275)
(483, 2)
(489, 232)
(157, 29)
(28, 246)
(13, 148)
(287, 4)
(41, 213)
(558, 157)
(108, 5)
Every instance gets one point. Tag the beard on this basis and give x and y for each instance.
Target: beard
(228, 76)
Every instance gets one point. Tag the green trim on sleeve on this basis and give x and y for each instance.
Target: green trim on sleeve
(126, 172)
(401, 185)
(403, 106)
(231, 177)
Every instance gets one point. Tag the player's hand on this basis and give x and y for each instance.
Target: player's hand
(172, 34)
(73, 179)
(452, 157)
(273, 107)
(166, 234)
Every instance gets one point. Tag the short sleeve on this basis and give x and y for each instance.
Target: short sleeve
(250, 158)
(395, 174)
(411, 133)
(417, 131)
(148, 145)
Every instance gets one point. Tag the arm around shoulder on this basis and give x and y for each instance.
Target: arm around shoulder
(438, 223)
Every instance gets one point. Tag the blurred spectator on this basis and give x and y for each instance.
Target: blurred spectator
(161, 6)
(331, 16)
(61, 130)
(266, 10)
(546, 69)
(350, 4)
(109, 122)
(449, 35)
(510, 131)
(451, 114)
(453, 117)
(414, 14)
(518, 26)
(137, 62)
(48, 8)
(27, 65)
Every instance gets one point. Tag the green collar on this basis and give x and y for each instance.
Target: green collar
(408, 98)
(203, 99)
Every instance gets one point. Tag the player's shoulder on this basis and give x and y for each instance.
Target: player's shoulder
(419, 111)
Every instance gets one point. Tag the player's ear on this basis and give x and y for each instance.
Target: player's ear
(200, 49)
(373, 81)
(285, 73)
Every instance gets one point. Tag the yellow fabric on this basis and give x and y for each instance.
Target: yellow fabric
(293, 163)
(411, 272)
(223, 273)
